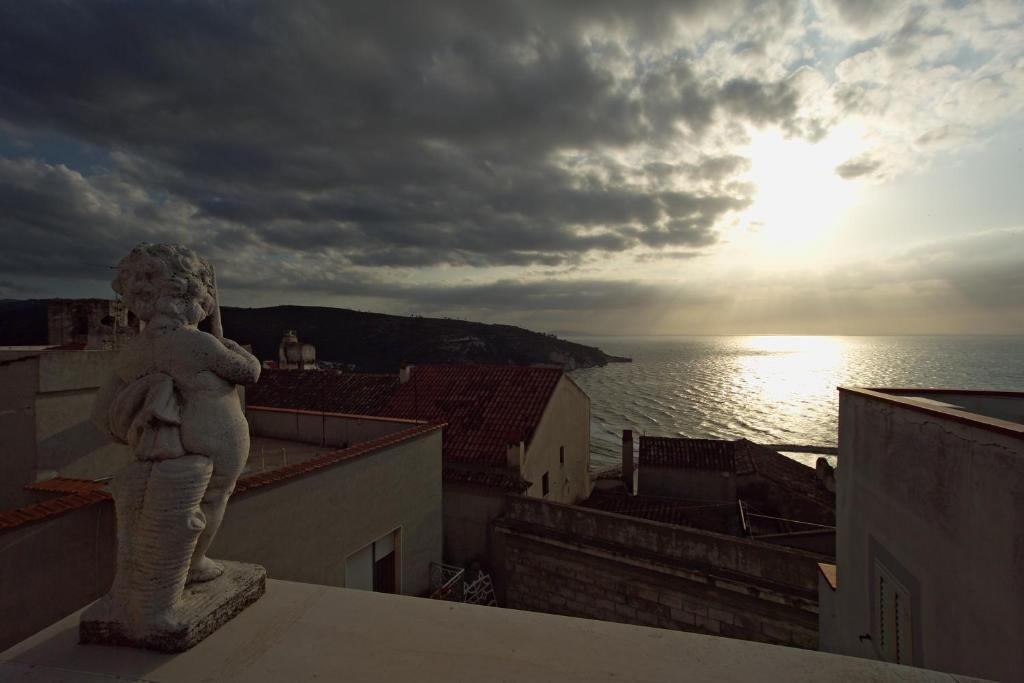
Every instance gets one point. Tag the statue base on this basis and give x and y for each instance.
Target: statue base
(204, 608)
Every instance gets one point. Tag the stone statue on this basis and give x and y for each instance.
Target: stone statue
(173, 401)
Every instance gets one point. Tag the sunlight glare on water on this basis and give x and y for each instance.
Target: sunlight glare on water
(772, 389)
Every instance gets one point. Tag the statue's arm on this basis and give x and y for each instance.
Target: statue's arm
(101, 406)
(231, 362)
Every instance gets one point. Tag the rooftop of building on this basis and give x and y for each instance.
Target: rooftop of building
(718, 517)
(304, 632)
(691, 454)
(330, 391)
(486, 407)
(269, 463)
(1000, 411)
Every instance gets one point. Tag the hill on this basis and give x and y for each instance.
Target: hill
(370, 342)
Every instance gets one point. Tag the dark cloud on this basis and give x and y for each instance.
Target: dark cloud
(668, 255)
(858, 167)
(398, 134)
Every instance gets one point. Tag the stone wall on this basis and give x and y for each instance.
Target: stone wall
(568, 560)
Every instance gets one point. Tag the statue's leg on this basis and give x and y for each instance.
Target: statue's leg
(128, 487)
(214, 503)
(166, 535)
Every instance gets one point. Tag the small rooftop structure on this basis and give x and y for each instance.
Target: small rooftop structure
(295, 355)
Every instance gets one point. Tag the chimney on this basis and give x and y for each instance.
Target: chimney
(404, 372)
(515, 455)
(628, 468)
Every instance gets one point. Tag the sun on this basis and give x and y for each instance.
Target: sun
(799, 197)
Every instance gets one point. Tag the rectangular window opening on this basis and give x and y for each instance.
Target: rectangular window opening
(544, 484)
(561, 455)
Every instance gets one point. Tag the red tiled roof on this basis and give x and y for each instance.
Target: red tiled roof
(486, 406)
(328, 391)
(508, 481)
(691, 454)
(78, 494)
(754, 458)
(66, 485)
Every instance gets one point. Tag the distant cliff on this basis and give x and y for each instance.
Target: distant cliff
(371, 342)
(375, 342)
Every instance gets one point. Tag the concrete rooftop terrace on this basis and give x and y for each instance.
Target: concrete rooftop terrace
(299, 632)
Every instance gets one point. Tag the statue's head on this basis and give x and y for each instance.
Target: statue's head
(166, 278)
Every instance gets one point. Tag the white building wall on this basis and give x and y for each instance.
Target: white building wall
(940, 503)
(565, 424)
(305, 528)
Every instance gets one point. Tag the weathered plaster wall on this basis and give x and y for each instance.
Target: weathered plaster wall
(320, 428)
(677, 482)
(304, 528)
(944, 500)
(568, 560)
(17, 425)
(565, 424)
(468, 513)
(45, 415)
(50, 569)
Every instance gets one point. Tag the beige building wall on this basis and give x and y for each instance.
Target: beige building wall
(45, 417)
(306, 527)
(565, 424)
(938, 504)
(468, 513)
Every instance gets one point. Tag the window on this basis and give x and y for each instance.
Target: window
(893, 618)
(561, 455)
(544, 485)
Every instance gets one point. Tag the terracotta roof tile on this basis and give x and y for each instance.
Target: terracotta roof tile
(786, 472)
(10, 519)
(66, 485)
(486, 406)
(508, 480)
(691, 454)
(328, 391)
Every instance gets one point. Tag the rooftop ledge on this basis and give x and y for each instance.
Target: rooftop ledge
(945, 403)
(300, 631)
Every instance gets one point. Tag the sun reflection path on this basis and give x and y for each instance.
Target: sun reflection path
(789, 375)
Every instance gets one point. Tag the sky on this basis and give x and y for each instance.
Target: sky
(581, 166)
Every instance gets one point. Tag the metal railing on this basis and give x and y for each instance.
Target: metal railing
(447, 582)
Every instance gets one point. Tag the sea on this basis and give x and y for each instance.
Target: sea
(772, 389)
